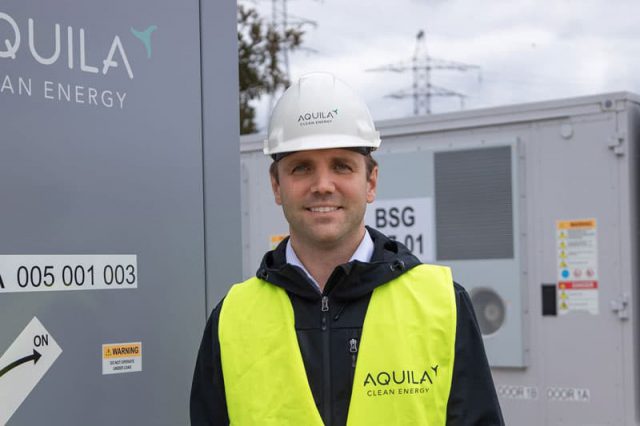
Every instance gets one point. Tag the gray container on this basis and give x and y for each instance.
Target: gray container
(535, 207)
(118, 141)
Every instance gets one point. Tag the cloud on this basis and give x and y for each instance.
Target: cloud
(528, 50)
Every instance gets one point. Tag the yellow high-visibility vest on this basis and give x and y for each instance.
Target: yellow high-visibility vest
(404, 367)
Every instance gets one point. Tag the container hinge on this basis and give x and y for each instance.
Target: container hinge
(616, 143)
(620, 307)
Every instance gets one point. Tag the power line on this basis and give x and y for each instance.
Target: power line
(421, 65)
(282, 21)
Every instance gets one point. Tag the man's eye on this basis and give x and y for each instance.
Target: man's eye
(343, 168)
(302, 168)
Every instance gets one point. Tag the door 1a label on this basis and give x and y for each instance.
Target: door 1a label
(23, 364)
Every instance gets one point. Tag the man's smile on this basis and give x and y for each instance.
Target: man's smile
(323, 209)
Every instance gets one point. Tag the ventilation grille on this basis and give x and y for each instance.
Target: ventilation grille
(474, 216)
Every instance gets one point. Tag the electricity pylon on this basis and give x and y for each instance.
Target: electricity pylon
(421, 65)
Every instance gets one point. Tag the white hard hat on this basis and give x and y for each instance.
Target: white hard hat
(320, 112)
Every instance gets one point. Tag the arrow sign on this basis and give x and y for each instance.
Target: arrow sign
(20, 372)
(35, 357)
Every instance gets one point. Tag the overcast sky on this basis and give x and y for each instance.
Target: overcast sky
(528, 50)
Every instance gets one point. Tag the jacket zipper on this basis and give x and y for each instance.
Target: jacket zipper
(326, 339)
(353, 349)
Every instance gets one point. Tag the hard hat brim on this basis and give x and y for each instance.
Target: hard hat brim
(324, 141)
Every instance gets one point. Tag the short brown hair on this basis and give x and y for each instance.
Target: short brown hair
(370, 164)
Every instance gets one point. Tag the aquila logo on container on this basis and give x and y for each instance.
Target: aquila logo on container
(48, 44)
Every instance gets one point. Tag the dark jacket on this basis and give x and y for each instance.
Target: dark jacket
(324, 338)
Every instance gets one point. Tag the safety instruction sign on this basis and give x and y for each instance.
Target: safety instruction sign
(407, 220)
(23, 364)
(577, 260)
(33, 273)
(120, 358)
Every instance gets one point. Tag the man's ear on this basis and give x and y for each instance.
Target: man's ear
(275, 186)
(372, 185)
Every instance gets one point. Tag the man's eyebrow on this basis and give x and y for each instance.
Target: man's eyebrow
(343, 159)
(300, 162)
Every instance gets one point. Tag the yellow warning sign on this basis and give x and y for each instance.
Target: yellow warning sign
(275, 240)
(563, 255)
(563, 264)
(121, 357)
(576, 224)
(563, 305)
(125, 350)
(563, 245)
(563, 296)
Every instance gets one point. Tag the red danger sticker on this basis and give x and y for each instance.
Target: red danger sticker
(578, 285)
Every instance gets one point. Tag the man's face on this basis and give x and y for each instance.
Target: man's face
(324, 194)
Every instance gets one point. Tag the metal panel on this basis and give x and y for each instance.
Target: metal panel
(109, 174)
(484, 172)
(220, 127)
(576, 177)
(631, 335)
(474, 217)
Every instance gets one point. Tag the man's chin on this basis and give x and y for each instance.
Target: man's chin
(322, 236)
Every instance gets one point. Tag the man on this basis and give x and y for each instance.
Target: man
(341, 325)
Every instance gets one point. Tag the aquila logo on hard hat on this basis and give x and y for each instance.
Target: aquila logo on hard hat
(320, 117)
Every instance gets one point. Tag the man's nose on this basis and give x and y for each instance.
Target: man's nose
(323, 182)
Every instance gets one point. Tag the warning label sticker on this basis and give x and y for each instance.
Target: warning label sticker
(121, 358)
(274, 240)
(577, 260)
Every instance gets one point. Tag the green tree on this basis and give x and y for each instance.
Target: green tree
(260, 69)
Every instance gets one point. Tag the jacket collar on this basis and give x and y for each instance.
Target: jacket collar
(363, 253)
(348, 281)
